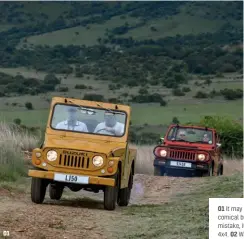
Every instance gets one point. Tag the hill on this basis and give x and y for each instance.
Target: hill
(165, 59)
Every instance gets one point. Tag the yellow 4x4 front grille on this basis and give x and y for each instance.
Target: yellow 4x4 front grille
(66, 160)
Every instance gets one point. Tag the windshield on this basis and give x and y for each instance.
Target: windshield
(88, 120)
(192, 135)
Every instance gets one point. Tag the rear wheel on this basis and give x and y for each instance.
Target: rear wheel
(55, 191)
(220, 171)
(124, 193)
(38, 190)
(111, 194)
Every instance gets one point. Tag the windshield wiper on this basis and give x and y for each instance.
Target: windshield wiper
(82, 108)
(111, 111)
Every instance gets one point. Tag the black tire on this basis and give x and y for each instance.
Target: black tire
(125, 193)
(55, 191)
(220, 171)
(38, 190)
(111, 195)
(157, 171)
(209, 173)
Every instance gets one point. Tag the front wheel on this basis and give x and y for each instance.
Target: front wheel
(55, 191)
(157, 171)
(125, 193)
(111, 195)
(38, 190)
(209, 173)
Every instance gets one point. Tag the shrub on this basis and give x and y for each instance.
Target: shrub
(81, 87)
(201, 95)
(152, 98)
(29, 106)
(63, 89)
(186, 89)
(93, 97)
(230, 132)
(178, 92)
(230, 94)
(163, 102)
(115, 101)
(51, 79)
(207, 82)
(175, 120)
(143, 91)
(17, 121)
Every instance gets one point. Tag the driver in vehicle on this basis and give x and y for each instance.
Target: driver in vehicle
(181, 135)
(72, 123)
(110, 126)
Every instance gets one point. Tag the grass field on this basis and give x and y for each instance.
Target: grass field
(185, 217)
(179, 24)
(80, 35)
(185, 108)
(141, 114)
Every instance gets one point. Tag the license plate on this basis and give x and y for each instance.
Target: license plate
(71, 178)
(180, 164)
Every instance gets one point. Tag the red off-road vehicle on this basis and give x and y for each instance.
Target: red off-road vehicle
(188, 151)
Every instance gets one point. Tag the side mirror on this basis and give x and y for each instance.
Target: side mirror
(218, 145)
(161, 140)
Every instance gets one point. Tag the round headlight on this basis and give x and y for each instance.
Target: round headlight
(163, 153)
(97, 161)
(52, 155)
(201, 157)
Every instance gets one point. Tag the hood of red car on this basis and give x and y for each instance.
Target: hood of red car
(189, 145)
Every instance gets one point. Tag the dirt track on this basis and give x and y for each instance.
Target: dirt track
(81, 215)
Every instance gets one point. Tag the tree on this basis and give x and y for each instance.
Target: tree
(29, 106)
(17, 121)
(175, 120)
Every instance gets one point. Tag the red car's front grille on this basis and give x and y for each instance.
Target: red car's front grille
(182, 155)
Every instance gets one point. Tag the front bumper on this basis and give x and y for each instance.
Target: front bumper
(92, 179)
(166, 167)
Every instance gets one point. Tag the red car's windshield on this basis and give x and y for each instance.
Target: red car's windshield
(188, 134)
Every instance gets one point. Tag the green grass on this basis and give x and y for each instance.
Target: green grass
(179, 24)
(141, 114)
(80, 35)
(186, 216)
(160, 115)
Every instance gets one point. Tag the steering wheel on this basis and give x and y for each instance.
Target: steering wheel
(103, 129)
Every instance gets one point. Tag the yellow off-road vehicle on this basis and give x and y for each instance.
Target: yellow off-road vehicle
(85, 147)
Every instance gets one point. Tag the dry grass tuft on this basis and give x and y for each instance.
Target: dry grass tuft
(144, 160)
(13, 142)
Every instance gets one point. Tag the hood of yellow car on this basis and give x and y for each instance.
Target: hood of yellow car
(91, 145)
